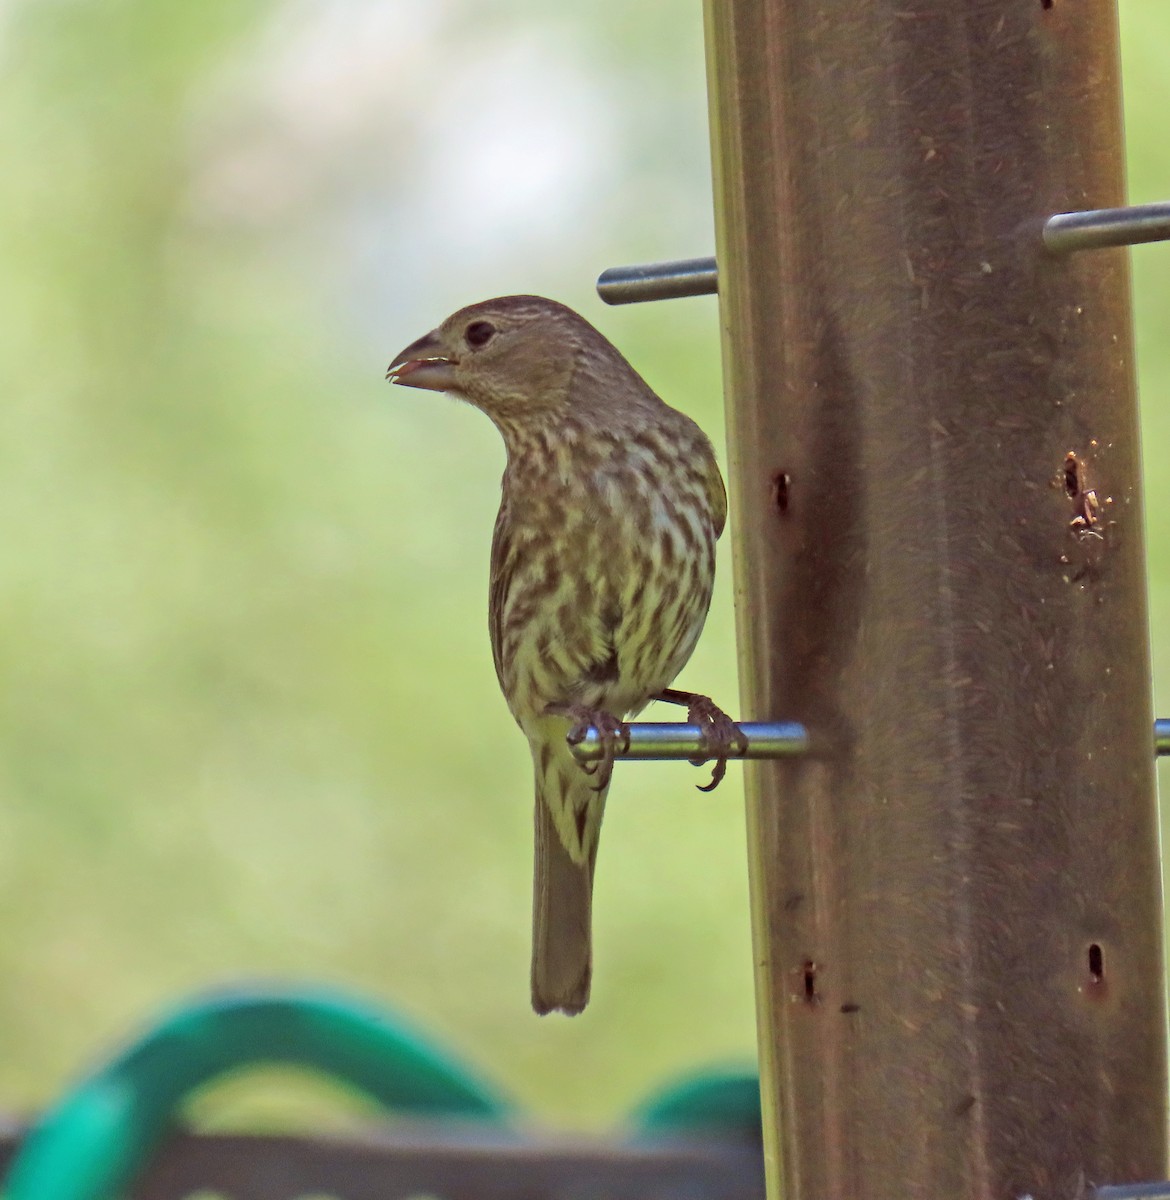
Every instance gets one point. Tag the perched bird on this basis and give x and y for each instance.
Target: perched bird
(602, 565)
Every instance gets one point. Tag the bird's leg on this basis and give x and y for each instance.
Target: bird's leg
(721, 735)
(612, 733)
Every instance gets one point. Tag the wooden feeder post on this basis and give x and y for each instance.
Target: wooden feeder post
(940, 571)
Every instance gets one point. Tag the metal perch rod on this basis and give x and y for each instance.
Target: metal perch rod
(658, 281)
(1101, 227)
(1063, 233)
(649, 740)
(1130, 1191)
(663, 742)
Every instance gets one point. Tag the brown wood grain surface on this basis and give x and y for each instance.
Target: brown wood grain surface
(937, 512)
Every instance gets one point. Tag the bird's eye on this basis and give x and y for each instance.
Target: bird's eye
(479, 333)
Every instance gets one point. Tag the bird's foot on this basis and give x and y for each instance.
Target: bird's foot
(613, 734)
(721, 735)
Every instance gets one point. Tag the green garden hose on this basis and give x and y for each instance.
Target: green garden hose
(92, 1144)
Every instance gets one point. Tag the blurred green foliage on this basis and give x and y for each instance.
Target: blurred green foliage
(250, 724)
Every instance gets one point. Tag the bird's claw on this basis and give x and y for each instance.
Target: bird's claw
(614, 736)
(721, 737)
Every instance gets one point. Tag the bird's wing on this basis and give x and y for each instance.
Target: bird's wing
(503, 565)
(716, 494)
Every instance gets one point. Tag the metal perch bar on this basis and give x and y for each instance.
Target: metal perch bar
(1130, 1191)
(652, 741)
(1101, 227)
(663, 742)
(658, 281)
(1063, 233)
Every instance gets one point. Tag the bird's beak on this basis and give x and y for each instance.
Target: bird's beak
(423, 364)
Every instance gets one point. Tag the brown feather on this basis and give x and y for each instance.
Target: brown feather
(562, 901)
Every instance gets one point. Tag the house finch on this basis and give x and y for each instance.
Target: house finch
(602, 565)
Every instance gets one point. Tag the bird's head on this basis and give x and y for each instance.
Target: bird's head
(514, 357)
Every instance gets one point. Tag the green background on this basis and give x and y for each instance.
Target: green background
(250, 725)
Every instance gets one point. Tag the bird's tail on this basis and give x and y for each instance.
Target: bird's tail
(568, 821)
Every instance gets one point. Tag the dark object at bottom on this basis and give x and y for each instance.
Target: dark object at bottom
(448, 1162)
